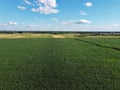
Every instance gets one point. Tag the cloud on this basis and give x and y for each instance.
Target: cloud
(28, 2)
(47, 27)
(45, 10)
(8, 24)
(73, 22)
(12, 23)
(50, 3)
(46, 7)
(83, 13)
(114, 24)
(88, 4)
(55, 19)
(3, 25)
(21, 7)
(109, 27)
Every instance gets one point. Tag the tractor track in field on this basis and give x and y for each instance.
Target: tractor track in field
(96, 44)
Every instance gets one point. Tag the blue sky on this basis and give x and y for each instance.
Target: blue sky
(60, 15)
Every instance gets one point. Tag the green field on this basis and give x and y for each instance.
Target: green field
(60, 64)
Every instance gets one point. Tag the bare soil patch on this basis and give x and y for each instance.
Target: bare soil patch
(58, 36)
(10, 36)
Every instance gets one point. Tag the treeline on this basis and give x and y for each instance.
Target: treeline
(92, 33)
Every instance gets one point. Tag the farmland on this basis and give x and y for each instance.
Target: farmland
(63, 63)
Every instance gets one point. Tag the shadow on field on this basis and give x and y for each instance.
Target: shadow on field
(99, 45)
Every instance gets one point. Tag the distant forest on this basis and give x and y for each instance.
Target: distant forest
(64, 32)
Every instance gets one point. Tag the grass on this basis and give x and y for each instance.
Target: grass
(59, 64)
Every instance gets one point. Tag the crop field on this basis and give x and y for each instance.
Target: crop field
(60, 63)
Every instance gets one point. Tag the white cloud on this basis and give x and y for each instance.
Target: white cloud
(114, 24)
(48, 27)
(21, 7)
(73, 22)
(55, 19)
(9, 26)
(49, 3)
(83, 13)
(88, 4)
(109, 27)
(42, 6)
(28, 2)
(45, 10)
(12, 23)
(46, 7)
(3, 25)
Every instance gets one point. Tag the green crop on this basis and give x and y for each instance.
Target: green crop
(59, 64)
